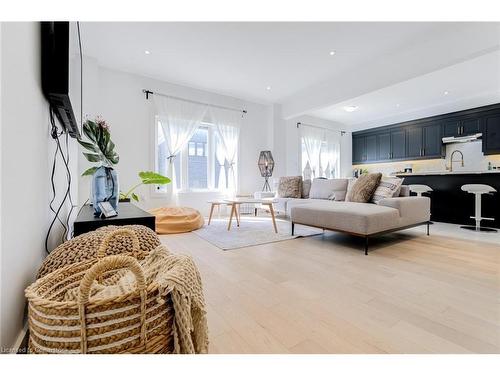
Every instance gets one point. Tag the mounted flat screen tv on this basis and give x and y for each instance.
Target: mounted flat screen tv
(55, 50)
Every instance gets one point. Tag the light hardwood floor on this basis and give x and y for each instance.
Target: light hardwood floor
(411, 294)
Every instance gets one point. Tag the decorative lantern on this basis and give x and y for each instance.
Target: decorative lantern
(266, 167)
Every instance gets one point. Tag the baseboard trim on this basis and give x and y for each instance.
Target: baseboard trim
(20, 345)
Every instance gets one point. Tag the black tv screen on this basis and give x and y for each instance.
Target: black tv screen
(55, 50)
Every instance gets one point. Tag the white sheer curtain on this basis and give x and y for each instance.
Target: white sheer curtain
(179, 120)
(227, 124)
(313, 139)
(321, 150)
(330, 154)
(220, 156)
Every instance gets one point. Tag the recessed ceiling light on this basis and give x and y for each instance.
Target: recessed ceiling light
(397, 105)
(446, 93)
(351, 108)
(332, 53)
(268, 88)
(147, 52)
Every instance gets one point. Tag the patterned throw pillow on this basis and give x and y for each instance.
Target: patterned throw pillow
(364, 187)
(290, 187)
(387, 188)
(350, 183)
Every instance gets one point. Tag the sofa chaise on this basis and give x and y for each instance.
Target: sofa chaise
(365, 220)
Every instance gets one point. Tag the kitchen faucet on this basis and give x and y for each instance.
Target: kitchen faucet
(456, 161)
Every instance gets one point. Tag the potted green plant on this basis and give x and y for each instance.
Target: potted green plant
(100, 149)
(147, 178)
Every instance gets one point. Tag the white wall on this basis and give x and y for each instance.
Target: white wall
(118, 98)
(25, 151)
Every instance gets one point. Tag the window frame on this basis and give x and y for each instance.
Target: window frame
(184, 154)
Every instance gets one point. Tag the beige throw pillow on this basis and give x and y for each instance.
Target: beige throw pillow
(364, 187)
(333, 189)
(306, 188)
(387, 188)
(290, 187)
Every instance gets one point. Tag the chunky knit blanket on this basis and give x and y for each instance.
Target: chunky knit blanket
(175, 274)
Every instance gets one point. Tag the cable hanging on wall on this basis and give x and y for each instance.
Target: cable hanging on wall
(64, 155)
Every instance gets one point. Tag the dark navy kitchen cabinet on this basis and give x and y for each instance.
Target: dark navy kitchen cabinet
(391, 145)
(422, 138)
(458, 127)
(358, 149)
(384, 146)
(471, 126)
(432, 141)
(398, 144)
(491, 134)
(451, 128)
(414, 142)
(371, 148)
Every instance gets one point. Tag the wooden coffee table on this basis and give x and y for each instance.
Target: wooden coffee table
(236, 202)
(217, 203)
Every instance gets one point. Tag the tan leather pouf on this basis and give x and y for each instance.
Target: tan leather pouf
(177, 219)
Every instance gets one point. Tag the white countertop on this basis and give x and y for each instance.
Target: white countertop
(444, 173)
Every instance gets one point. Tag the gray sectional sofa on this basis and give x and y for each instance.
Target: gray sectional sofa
(320, 191)
(359, 219)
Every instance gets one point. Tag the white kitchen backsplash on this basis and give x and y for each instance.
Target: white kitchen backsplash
(474, 160)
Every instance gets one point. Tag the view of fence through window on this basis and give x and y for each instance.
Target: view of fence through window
(198, 160)
(196, 163)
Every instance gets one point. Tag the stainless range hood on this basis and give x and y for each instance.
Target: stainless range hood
(465, 138)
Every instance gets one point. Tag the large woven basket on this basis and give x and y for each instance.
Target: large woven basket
(135, 321)
(85, 246)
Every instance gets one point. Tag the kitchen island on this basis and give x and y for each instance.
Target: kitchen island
(449, 204)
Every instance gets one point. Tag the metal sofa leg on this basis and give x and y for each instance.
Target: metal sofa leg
(428, 224)
(366, 245)
(293, 227)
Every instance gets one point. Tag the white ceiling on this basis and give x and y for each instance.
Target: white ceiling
(473, 83)
(242, 59)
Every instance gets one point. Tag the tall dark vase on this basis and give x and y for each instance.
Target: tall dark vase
(105, 188)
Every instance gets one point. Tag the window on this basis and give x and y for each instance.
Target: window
(192, 148)
(200, 149)
(197, 167)
(327, 164)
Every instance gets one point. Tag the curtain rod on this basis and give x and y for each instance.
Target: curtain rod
(342, 132)
(149, 92)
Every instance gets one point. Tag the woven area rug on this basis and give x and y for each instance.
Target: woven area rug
(253, 231)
